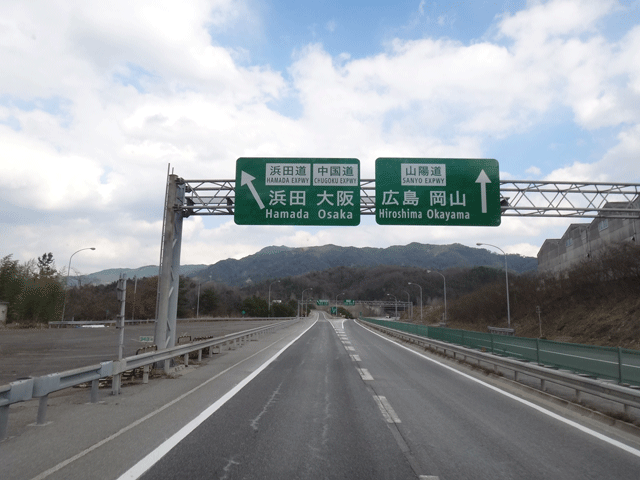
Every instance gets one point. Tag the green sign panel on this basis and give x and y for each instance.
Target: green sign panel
(437, 191)
(322, 302)
(349, 302)
(297, 191)
(334, 311)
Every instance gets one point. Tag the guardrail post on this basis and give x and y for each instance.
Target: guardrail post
(95, 385)
(42, 410)
(4, 421)
(116, 380)
(619, 364)
(145, 374)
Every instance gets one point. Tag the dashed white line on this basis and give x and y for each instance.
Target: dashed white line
(532, 405)
(355, 358)
(364, 373)
(387, 411)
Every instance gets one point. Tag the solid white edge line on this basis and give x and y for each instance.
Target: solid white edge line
(153, 457)
(560, 418)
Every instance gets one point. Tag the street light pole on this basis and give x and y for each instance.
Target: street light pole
(420, 297)
(64, 303)
(198, 304)
(135, 286)
(337, 301)
(410, 304)
(277, 281)
(396, 299)
(506, 276)
(445, 295)
(303, 299)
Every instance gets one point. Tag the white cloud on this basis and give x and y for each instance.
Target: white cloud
(97, 98)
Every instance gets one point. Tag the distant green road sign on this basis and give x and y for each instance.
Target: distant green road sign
(437, 191)
(334, 311)
(349, 302)
(297, 191)
(322, 302)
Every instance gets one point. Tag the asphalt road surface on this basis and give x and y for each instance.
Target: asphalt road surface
(325, 399)
(344, 402)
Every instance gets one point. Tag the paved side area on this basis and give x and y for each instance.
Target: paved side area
(84, 440)
(35, 352)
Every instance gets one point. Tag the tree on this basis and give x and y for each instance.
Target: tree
(255, 307)
(46, 265)
(12, 281)
(208, 301)
(183, 299)
(284, 309)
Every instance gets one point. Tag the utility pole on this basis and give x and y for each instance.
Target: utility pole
(122, 298)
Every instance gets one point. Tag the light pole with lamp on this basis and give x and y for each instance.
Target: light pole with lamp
(277, 281)
(64, 303)
(506, 276)
(198, 304)
(337, 301)
(410, 304)
(445, 295)
(302, 301)
(135, 287)
(420, 297)
(396, 299)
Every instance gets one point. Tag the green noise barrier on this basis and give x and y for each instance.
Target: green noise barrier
(614, 363)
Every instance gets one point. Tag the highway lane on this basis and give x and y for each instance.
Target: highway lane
(457, 426)
(307, 415)
(343, 402)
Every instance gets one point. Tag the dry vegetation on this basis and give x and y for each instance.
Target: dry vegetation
(595, 303)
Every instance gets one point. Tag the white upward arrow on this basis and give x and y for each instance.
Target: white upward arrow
(482, 180)
(246, 179)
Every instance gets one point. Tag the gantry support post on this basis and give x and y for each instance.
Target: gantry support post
(169, 280)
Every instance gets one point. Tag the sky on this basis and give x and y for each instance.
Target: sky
(97, 99)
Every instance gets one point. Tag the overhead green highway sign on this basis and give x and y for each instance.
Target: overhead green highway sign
(437, 191)
(349, 302)
(297, 191)
(322, 302)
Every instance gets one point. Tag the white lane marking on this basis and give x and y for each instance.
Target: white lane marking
(152, 458)
(387, 412)
(355, 358)
(95, 446)
(549, 413)
(364, 373)
(350, 349)
(428, 477)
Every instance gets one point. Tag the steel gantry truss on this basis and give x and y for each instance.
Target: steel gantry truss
(519, 198)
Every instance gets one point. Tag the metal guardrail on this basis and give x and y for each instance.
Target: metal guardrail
(619, 364)
(91, 323)
(628, 397)
(23, 390)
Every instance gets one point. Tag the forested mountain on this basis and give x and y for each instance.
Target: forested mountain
(280, 262)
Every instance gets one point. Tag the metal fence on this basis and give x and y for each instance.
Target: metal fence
(613, 363)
